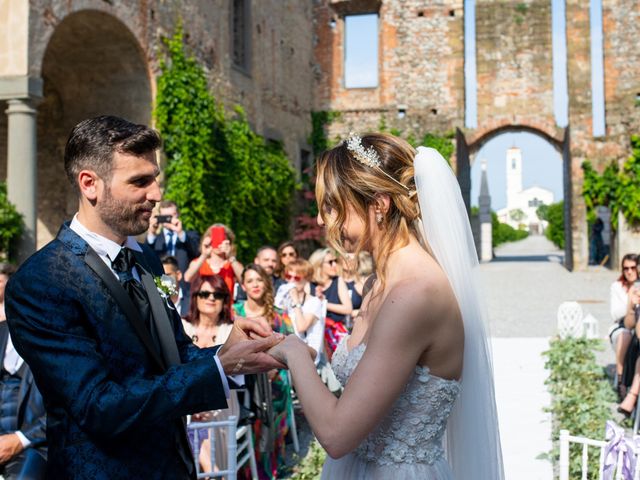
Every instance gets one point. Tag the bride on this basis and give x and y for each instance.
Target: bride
(418, 398)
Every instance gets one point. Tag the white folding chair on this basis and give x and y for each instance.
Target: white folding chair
(239, 441)
(566, 439)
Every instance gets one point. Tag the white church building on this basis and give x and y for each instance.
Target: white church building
(522, 204)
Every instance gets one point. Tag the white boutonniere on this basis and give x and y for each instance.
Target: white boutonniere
(167, 288)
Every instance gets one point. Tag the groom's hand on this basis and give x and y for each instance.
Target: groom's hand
(242, 355)
(256, 327)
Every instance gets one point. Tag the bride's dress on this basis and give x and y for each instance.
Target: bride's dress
(407, 443)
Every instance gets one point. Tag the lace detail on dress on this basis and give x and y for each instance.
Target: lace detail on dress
(413, 430)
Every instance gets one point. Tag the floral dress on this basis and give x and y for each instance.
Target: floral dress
(273, 416)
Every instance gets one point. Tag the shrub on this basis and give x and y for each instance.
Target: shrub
(580, 394)
(10, 224)
(555, 230)
(502, 233)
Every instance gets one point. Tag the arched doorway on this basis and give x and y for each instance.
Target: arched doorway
(93, 65)
(469, 145)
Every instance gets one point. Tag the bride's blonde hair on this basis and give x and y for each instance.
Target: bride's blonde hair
(343, 180)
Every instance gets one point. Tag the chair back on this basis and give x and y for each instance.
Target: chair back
(229, 428)
(617, 474)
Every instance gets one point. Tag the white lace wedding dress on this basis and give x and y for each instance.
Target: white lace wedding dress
(407, 444)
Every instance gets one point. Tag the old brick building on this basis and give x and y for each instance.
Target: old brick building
(421, 82)
(64, 60)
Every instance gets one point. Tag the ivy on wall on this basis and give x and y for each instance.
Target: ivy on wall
(218, 169)
(619, 189)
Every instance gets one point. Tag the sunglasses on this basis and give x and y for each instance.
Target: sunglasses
(288, 254)
(295, 278)
(629, 268)
(204, 294)
(331, 262)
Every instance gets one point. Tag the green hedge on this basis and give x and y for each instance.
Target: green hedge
(581, 396)
(555, 229)
(218, 169)
(503, 233)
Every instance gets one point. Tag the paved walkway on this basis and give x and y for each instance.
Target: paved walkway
(524, 286)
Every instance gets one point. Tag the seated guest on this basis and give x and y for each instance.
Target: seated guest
(272, 420)
(181, 298)
(287, 253)
(23, 447)
(216, 258)
(618, 304)
(167, 237)
(305, 310)
(632, 358)
(327, 284)
(207, 324)
(267, 258)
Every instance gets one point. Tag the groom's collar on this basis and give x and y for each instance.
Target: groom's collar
(103, 246)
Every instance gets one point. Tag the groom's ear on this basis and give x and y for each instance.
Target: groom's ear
(89, 184)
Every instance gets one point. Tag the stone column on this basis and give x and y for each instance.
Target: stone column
(22, 169)
(21, 94)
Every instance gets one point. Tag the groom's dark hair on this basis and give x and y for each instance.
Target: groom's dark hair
(93, 142)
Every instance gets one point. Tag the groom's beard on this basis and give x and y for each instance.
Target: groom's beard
(123, 218)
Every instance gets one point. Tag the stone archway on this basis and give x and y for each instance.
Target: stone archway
(93, 65)
(469, 143)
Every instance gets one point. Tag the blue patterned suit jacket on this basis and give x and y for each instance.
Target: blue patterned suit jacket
(114, 400)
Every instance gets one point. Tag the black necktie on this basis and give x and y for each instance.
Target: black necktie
(123, 265)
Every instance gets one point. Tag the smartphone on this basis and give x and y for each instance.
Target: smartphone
(164, 218)
(218, 235)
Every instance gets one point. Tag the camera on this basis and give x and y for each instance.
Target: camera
(164, 218)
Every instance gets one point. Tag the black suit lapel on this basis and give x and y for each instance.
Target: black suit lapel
(122, 298)
(160, 315)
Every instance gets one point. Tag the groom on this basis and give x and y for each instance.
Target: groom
(107, 351)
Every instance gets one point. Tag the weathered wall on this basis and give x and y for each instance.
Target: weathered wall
(421, 67)
(103, 57)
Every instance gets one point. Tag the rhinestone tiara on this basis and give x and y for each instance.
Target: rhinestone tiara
(370, 158)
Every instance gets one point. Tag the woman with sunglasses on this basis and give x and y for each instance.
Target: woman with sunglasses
(209, 320)
(328, 285)
(207, 324)
(287, 253)
(304, 309)
(272, 420)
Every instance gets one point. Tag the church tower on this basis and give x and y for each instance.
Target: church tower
(514, 175)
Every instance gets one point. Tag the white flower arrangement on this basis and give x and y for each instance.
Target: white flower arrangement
(166, 286)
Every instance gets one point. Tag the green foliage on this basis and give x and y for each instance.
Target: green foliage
(218, 169)
(319, 120)
(580, 396)
(543, 212)
(618, 189)
(310, 467)
(503, 233)
(442, 143)
(517, 215)
(10, 224)
(555, 229)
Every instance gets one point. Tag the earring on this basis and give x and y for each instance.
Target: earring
(379, 218)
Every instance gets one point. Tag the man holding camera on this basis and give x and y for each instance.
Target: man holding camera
(167, 237)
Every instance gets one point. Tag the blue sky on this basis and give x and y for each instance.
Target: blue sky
(541, 162)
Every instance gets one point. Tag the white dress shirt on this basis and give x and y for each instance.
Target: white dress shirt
(170, 239)
(107, 250)
(12, 363)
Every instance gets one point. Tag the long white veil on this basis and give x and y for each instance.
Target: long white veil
(472, 436)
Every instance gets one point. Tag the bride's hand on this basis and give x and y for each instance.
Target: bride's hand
(283, 350)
